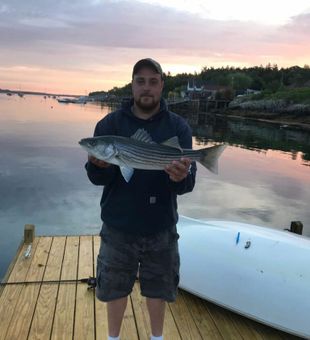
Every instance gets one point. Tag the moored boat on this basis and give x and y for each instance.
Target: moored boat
(79, 100)
(65, 100)
(258, 272)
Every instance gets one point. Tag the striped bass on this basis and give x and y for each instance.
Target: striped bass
(141, 152)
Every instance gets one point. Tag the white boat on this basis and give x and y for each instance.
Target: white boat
(258, 272)
(64, 100)
(79, 100)
(82, 100)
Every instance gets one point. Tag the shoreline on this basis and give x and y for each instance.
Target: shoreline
(283, 120)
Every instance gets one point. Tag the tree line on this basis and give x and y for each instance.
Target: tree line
(269, 78)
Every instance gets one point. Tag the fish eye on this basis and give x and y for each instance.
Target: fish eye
(92, 142)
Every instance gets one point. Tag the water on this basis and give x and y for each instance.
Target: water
(264, 175)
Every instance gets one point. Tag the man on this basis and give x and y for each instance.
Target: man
(139, 217)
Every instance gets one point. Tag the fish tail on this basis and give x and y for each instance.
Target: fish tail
(209, 157)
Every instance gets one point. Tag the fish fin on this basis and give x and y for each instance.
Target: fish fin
(143, 136)
(209, 157)
(127, 172)
(173, 143)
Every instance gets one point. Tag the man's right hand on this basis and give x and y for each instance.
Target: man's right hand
(98, 162)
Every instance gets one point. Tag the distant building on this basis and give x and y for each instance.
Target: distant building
(194, 86)
(194, 89)
(197, 90)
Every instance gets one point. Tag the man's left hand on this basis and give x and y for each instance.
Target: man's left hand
(178, 170)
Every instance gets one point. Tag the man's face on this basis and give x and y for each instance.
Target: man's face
(147, 87)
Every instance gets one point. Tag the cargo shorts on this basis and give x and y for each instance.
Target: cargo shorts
(122, 257)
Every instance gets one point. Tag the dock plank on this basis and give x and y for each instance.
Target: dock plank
(69, 311)
(184, 319)
(142, 317)
(12, 264)
(204, 322)
(10, 294)
(141, 313)
(171, 330)
(65, 304)
(129, 329)
(266, 332)
(100, 307)
(84, 325)
(44, 312)
(261, 331)
(223, 321)
(25, 306)
(242, 325)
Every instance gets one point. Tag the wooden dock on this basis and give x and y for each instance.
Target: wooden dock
(70, 311)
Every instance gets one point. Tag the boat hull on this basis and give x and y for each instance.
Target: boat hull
(258, 272)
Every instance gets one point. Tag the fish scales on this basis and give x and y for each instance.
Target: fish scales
(159, 159)
(140, 152)
(158, 151)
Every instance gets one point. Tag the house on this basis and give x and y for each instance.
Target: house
(197, 90)
(194, 89)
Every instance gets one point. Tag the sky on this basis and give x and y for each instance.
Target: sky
(88, 45)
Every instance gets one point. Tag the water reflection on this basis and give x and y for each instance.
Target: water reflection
(255, 136)
(262, 174)
(37, 109)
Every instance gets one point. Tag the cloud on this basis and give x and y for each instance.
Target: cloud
(125, 24)
(116, 24)
(299, 25)
(107, 37)
(120, 25)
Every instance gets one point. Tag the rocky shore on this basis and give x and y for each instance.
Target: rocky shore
(278, 112)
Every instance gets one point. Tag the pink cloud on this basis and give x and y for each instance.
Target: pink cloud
(103, 40)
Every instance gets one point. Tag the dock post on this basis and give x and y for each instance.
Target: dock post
(29, 232)
(296, 227)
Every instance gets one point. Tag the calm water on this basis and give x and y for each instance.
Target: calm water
(264, 174)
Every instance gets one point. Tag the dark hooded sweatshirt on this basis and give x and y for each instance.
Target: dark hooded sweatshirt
(148, 203)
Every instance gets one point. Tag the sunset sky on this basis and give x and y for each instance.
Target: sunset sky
(81, 46)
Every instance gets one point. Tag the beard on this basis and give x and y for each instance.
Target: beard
(147, 103)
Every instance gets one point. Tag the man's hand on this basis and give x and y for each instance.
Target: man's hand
(98, 162)
(178, 170)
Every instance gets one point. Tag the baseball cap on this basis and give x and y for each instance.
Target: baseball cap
(147, 62)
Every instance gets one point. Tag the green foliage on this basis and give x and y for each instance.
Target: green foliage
(97, 93)
(298, 95)
(178, 82)
(124, 91)
(225, 94)
(239, 81)
(269, 79)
